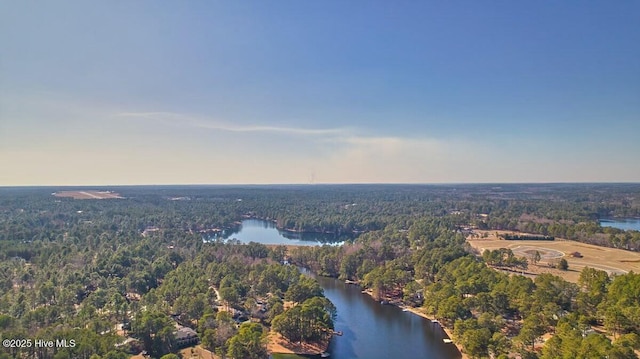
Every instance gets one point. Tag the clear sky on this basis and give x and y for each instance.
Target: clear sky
(182, 92)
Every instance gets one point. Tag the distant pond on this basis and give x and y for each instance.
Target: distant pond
(265, 232)
(625, 224)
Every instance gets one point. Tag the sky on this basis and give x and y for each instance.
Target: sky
(262, 92)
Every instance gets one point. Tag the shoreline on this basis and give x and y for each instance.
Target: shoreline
(417, 312)
(444, 329)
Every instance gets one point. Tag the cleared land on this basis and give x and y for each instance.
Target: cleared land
(614, 261)
(278, 344)
(88, 194)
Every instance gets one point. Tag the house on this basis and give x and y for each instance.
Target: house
(186, 336)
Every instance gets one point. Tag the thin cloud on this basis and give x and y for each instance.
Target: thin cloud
(192, 121)
(389, 141)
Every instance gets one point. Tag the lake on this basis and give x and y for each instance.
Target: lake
(625, 224)
(370, 330)
(375, 331)
(265, 232)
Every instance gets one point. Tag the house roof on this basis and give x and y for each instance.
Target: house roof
(185, 332)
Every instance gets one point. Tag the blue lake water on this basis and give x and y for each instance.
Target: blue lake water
(375, 331)
(265, 232)
(625, 224)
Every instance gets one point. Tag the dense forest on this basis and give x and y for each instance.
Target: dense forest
(121, 276)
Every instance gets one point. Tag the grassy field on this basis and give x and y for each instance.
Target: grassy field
(614, 261)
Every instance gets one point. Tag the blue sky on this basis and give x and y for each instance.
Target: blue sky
(147, 92)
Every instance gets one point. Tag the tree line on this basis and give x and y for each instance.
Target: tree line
(76, 269)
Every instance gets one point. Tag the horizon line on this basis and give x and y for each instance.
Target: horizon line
(310, 184)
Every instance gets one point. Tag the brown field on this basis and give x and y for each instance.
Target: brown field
(614, 261)
(278, 344)
(88, 194)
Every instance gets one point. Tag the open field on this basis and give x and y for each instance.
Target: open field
(88, 194)
(614, 261)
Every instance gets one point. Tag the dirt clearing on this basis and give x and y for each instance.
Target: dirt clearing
(88, 194)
